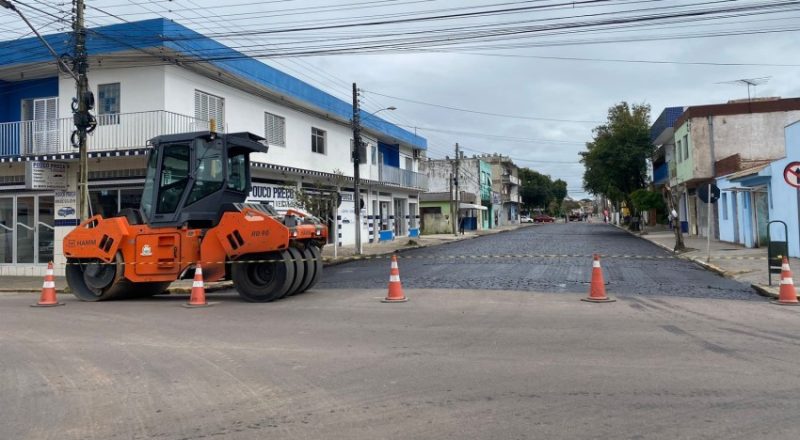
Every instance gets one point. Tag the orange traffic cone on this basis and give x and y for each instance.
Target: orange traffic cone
(48, 297)
(597, 290)
(787, 295)
(395, 288)
(198, 296)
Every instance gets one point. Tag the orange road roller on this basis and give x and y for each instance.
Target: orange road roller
(192, 212)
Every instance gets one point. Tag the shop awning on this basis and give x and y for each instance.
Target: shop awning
(471, 206)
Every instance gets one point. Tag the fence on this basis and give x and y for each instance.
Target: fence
(120, 131)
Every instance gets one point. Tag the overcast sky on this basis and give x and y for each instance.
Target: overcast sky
(519, 85)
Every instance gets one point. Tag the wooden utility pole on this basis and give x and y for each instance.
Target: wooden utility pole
(356, 166)
(84, 121)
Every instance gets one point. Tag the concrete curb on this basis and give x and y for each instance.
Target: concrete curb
(697, 261)
(344, 260)
(764, 291)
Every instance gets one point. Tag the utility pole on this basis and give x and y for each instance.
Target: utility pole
(457, 173)
(356, 166)
(452, 200)
(84, 121)
(84, 101)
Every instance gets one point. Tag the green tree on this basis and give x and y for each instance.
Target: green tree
(538, 190)
(645, 200)
(616, 160)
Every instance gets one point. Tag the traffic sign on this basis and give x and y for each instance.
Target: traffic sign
(791, 174)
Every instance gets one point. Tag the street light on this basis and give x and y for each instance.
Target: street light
(357, 164)
(378, 111)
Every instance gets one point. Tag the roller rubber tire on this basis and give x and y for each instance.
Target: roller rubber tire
(311, 269)
(317, 259)
(299, 270)
(263, 282)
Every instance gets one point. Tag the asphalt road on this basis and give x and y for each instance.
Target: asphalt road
(443, 266)
(339, 364)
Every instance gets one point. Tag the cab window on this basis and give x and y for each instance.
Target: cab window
(174, 178)
(208, 170)
(237, 172)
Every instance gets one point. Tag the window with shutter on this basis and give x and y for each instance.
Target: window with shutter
(208, 107)
(275, 129)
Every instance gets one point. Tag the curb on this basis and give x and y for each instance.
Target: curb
(764, 291)
(699, 262)
(344, 260)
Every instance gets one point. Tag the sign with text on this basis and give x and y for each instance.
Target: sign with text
(45, 175)
(279, 196)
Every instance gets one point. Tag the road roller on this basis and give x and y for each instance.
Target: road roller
(193, 213)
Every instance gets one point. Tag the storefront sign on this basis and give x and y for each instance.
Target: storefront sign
(66, 207)
(45, 175)
(279, 196)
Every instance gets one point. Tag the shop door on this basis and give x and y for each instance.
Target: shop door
(399, 217)
(384, 216)
(761, 204)
(45, 125)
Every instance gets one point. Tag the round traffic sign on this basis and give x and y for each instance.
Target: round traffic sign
(791, 174)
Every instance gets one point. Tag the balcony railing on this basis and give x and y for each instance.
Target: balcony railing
(510, 179)
(402, 177)
(121, 131)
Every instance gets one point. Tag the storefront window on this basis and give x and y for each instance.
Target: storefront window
(103, 202)
(25, 229)
(130, 198)
(6, 230)
(45, 227)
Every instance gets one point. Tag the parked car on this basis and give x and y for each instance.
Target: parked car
(63, 212)
(543, 218)
(525, 219)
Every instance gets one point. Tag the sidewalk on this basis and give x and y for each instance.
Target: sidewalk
(16, 284)
(747, 265)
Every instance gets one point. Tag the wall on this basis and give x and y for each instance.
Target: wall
(786, 208)
(142, 89)
(245, 112)
(751, 135)
(436, 223)
(12, 94)
(685, 168)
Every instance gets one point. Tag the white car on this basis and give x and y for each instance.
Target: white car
(525, 219)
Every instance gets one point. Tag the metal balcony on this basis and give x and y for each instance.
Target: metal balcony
(397, 176)
(121, 131)
(509, 179)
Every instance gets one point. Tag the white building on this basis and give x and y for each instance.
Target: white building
(147, 82)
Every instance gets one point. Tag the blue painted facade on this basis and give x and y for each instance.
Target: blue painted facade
(661, 174)
(737, 222)
(12, 94)
(391, 154)
(665, 120)
(156, 33)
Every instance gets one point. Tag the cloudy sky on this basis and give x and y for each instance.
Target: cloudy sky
(552, 67)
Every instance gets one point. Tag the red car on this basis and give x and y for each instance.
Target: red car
(543, 218)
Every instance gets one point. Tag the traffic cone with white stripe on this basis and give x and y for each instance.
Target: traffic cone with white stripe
(198, 296)
(787, 295)
(597, 289)
(48, 297)
(395, 288)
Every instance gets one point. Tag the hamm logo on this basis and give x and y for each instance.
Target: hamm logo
(262, 233)
(73, 243)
